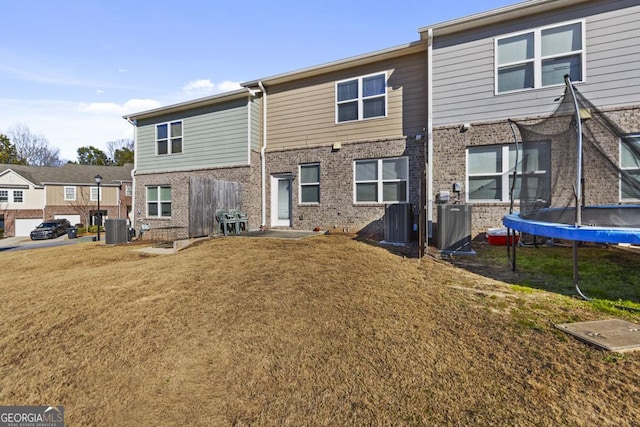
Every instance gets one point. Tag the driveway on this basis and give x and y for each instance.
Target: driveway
(24, 242)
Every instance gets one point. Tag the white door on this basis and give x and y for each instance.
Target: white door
(24, 226)
(281, 201)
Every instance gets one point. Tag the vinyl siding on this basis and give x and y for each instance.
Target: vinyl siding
(302, 113)
(463, 66)
(212, 136)
(256, 123)
(55, 196)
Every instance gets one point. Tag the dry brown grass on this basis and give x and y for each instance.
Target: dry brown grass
(323, 331)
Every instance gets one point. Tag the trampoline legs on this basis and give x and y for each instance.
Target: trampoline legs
(576, 276)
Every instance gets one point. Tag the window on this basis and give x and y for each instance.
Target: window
(490, 172)
(630, 163)
(69, 193)
(128, 190)
(159, 201)
(169, 138)
(361, 98)
(18, 196)
(540, 57)
(94, 194)
(4, 196)
(381, 180)
(310, 183)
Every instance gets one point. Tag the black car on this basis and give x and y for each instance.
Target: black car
(50, 229)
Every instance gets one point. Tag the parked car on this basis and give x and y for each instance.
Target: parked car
(50, 229)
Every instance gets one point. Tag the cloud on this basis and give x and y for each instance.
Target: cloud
(202, 87)
(132, 105)
(99, 91)
(228, 85)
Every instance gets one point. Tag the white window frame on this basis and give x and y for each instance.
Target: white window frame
(538, 58)
(159, 201)
(308, 184)
(5, 196)
(128, 190)
(93, 194)
(170, 138)
(67, 188)
(380, 182)
(504, 175)
(632, 169)
(16, 196)
(361, 98)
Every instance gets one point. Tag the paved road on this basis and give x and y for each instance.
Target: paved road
(23, 243)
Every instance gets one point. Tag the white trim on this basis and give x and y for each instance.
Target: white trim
(538, 58)
(159, 201)
(13, 196)
(308, 184)
(169, 138)
(620, 198)
(275, 221)
(380, 181)
(92, 197)
(75, 194)
(361, 98)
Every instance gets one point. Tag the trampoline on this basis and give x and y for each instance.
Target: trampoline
(562, 153)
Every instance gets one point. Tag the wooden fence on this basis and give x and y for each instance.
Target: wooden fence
(206, 196)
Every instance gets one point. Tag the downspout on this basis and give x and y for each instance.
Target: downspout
(134, 123)
(263, 164)
(429, 136)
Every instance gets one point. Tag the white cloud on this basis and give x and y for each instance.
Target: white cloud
(131, 106)
(99, 91)
(202, 85)
(228, 85)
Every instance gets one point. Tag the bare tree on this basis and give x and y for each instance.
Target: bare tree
(33, 148)
(119, 149)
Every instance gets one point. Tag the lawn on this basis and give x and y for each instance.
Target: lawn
(321, 331)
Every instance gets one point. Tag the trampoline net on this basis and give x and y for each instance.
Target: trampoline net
(547, 163)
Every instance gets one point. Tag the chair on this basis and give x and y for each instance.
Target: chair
(241, 220)
(225, 221)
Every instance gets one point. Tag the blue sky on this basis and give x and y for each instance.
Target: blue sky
(69, 69)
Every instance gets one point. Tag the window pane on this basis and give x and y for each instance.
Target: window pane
(176, 129)
(485, 188)
(162, 147)
(152, 193)
(309, 173)
(630, 191)
(373, 85)
(394, 169)
(152, 208)
(394, 191)
(347, 90)
(176, 145)
(348, 112)
(4, 196)
(563, 39)
(310, 194)
(627, 157)
(283, 199)
(515, 49)
(166, 209)
(485, 160)
(554, 70)
(367, 192)
(161, 132)
(165, 193)
(516, 77)
(367, 170)
(373, 108)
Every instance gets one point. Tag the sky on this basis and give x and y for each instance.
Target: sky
(70, 69)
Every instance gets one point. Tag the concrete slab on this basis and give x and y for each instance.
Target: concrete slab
(613, 334)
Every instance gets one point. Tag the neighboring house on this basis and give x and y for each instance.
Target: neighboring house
(332, 146)
(510, 63)
(32, 194)
(182, 151)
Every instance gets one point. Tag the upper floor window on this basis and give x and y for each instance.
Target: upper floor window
(630, 163)
(159, 201)
(381, 180)
(490, 172)
(361, 98)
(540, 58)
(18, 196)
(128, 190)
(4, 196)
(169, 138)
(310, 183)
(69, 193)
(94, 194)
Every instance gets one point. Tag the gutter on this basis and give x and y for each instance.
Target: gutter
(133, 171)
(429, 135)
(263, 164)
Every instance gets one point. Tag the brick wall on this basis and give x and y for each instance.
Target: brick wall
(337, 209)
(10, 217)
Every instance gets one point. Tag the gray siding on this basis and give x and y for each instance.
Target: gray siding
(463, 66)
(213, 136)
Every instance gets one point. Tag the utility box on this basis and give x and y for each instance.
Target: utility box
(454, 229)
(116, 231)
(398, 223)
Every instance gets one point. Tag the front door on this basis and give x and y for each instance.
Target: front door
(281, 201)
